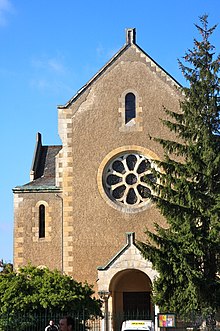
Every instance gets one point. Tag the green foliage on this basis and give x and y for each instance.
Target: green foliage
(187, 191)
(5, 267)
(33, 290)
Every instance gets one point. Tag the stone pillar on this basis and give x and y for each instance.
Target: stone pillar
(104, 295)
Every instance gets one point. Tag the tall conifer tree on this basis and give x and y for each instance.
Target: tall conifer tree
(187, 191)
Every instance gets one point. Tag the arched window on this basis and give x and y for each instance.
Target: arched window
(130, 107)
(41, 221)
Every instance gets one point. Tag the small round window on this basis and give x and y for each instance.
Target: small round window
(123, 180)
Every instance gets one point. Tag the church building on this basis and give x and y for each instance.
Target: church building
(87, 201)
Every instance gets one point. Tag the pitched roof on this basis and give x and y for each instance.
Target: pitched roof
(43, 168)
(130, 42)
(130, 237)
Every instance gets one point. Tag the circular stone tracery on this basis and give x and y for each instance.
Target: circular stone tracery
(123, 179)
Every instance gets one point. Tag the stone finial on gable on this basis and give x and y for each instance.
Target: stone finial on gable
(130, 236)
(131, 36)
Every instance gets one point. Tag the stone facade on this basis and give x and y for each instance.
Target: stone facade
(86, 215)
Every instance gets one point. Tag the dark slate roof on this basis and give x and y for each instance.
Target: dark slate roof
(43, 170)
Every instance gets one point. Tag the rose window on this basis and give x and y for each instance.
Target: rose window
(124, 179)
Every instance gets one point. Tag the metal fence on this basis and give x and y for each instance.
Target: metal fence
(39, 320)
(109, 322)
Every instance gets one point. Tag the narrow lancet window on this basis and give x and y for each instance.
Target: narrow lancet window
(130, 107)
(41, 221)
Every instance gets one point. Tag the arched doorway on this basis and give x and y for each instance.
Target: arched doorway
(125, 285)
(131, 296)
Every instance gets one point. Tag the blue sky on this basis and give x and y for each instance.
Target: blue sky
(50, 48)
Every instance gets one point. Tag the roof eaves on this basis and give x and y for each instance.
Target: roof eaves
(28, 189)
